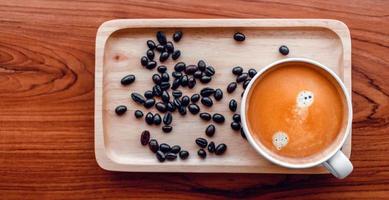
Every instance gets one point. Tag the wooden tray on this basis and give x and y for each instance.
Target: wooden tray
(121, 43)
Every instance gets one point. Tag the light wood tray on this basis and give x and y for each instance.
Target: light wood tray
(121, 43)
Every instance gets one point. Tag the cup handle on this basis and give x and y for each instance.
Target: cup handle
(339, 165)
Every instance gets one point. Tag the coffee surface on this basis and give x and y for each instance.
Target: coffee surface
(295, 110)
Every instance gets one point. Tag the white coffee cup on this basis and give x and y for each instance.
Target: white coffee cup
(334, 159)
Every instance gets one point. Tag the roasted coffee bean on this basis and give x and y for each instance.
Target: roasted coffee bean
(207, 91)
(237, 70)
(195, 98)
(167, 129)
(156, 79)
(205, 79)
(149, 118)
(165, 77)
(176, 74)
(167, 118)
(241, 77)
(171, 156)
(161, 37)
(202, 142)
(193, 108)
(165, 147)
(145, 137)
(233, 105)
(243, 134)
(246, 83)
(138, 98)
(177, 102)
(144, 60)
(176, 54)
(151, 65)
(161, 107)
(210, 130)
(218, 94)
(201, 65)
(179, 67)
(239, 37)
(169, 47)
(206, 101)
(157, 91)
(162, 69)
(176, 83)
(120, 110)
(138, 114)
(170, 107)
(220, 149)
(209, 71)
(165, 96)
(127, 80)
(231, 87)
(241, 95)
(252, 72)
(218, 118)
(184, 80)
(175, 149)
(177, 36)
(202, 154)
(185, 100)
(160, 48)
(150, 44)
(149, 103)
(148, 94)
(191, 69)
(177, 93)
(160, 156)
(198, 74)
(191, 82)
(164, 56)
(157, 119)
(205, 116)
(235, 126)
(184, 154)
(153, 145)
(150, 54)
(211, 147)
(182, 110)
(284, 50)
(164, 86)
(236, 118)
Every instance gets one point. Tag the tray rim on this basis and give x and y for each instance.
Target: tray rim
(109, 27)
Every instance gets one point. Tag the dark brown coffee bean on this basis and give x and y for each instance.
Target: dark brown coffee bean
(138, 98)
(235, 126)
(209, 71)
(144, 60)
(236, 118)
(164, 56)
(220, 149)
(193, 108)
(176, 74)
(210, 130)
(206, 101)
(202, 142)
(153, 145)
(185, 100)
(150, 44)
(162, 69)
(243, 134)
(218, 118)
(237, 70)
(179, 67)
(246, 83)
(191, 82)
(241, 95)
(157, 91)
(164, 86)
(175, 149)
(138, 114)
(207, 91)
(284, 50)
(150, 54)
(176, 84)
(201, 65)
(177, 93)
(205, 79)
(239, 37)
(149, 118)
(165, 96)
(169, 47)
(165, 77)
(177, 102)
(218, 94)
(167, 129)
(191, 69)
(184, 154)
(231, 87)
(182, 110)
(252, 72)
(165, 147)
(157, 119)
(233, 105)
(148, 94)
(205, 116)
(177, 36)
(120, 110)
(127, 80)
(170, 107)
(160, 48)
(161, 107)
(195, 98)
(176, 54)
(151, 65)
(201, 153)
(156, 79)
(167, 118)
(242, 77)
(184, 80)
(149, 103)
(171, 156)
(211, 147)
(160, 156)
(161, 37)
(198, 74)
(145, 137)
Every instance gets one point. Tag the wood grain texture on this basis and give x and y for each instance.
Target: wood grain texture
(47, 98)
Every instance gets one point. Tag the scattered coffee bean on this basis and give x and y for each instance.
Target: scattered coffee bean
(202, 154)
(169, 47)
(179, 67)
(160, 156)
(243, 134)
(162, 69)
(211, 147)
(252, 72)
(161, 37)
(237, 70)
(246, 83)
(153, 145)
(207, 91)
(175, 149)
(184, 80)
(231, 87)
(170, 107)
(193, 108)
(149, 118)
(165, 96)
(206, 101)
(176, 83)
(220, 149)
(235, 126)
(191, 82)
(138, 114)
(177, 102)
(241, 77)
(151, 65)
(167, 129)
(177, 36)
(157, 91)
(161, 107)
(210, 130)
(156, 79)
(233, 105)
(120, 110)
(198, 74)
(148, 94)
(145, 137)
(160, 48)
(164, 56)
(205, 116)
(157, 119)
(218, 94)
(164, 86)
(201, 65)
(177, 93)
(176, 74)
(182, 110)
(209, 71)
(167, 118)
(165, 77)
(171, 156)
(176, 54)
(127, 80)
(284, 50)
(185, 100)
(195, 98)
(165, 147)
(191, 69)
(150, 44)
(205, 79)
(218, 118)
(138, 98)
(202, 142)
(236, 118)
(239, 37)
(184, 154)
(149, 103)
(144, 60)
(150, 54)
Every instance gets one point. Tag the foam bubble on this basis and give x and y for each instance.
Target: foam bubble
(304, 99)
(280, 139)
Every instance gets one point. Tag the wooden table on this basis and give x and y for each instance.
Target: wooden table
(47, 99)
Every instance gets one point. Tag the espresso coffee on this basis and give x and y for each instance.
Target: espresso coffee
(296, 110)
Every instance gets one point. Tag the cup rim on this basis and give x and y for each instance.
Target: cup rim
(260, 150)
